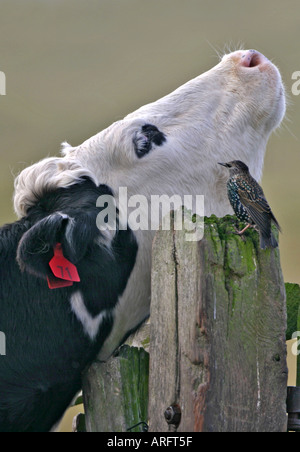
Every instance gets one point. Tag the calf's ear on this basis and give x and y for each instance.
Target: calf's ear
(36, 248)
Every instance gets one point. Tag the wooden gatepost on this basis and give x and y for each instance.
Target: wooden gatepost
(217, 342)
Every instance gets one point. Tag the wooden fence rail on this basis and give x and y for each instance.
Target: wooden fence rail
(217, 342)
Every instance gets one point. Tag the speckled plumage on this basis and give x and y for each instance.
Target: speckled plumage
(249, 203)
(233, 195)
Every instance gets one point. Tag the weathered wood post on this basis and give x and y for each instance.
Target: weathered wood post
(217, 344)
(115, 393)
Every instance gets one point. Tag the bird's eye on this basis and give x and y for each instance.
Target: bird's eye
(146, 138)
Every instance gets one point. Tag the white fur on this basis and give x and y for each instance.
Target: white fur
(44, 176)
(224, 114)
(90, 324)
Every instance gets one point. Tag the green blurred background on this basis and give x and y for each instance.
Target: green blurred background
(74, 66)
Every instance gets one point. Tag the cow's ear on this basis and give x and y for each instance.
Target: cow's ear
(36, 248)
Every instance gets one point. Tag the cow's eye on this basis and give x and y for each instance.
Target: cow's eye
(144, 139)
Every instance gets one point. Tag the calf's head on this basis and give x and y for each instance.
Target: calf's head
(65, 216)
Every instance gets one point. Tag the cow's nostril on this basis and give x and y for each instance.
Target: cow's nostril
(252, 58)
(255, 60)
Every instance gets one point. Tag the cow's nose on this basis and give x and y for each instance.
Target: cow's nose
(252, 58)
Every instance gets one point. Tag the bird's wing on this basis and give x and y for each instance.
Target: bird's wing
(253, 199)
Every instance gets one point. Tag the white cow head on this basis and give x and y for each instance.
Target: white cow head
(173, 145)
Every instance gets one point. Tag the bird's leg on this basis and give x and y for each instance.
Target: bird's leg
(243, 230)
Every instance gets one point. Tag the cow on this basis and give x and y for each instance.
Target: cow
(171, 146)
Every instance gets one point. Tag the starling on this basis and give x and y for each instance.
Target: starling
(249, 203)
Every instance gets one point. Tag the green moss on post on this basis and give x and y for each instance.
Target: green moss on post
(115, 393)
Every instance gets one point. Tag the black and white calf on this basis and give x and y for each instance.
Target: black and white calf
(52, 335)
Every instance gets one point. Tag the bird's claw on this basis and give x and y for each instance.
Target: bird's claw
(237, 232)
(240, 234)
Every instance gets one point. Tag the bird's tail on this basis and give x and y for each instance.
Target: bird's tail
(268, 241)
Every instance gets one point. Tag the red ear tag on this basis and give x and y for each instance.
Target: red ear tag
(61, 267)
(56, 283)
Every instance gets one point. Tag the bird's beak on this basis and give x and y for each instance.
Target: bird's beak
(224, 164)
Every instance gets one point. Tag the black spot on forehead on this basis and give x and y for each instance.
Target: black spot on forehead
(154, 134)
(148, 137)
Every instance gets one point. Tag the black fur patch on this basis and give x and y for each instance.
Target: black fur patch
(143, 141)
